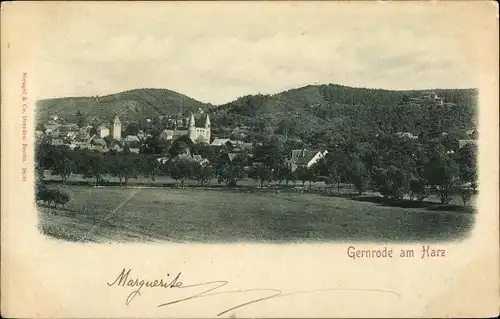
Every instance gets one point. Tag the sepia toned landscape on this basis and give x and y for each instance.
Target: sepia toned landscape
(321, 163)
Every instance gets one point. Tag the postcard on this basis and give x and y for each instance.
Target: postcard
(249, 159)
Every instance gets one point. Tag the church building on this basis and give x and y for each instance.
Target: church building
(196, 134)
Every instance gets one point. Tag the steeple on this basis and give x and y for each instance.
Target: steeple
(207, 122)
(191, 121)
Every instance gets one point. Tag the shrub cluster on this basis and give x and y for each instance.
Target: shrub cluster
(52, 196)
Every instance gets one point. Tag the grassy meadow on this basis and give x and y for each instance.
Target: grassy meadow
(120, 214)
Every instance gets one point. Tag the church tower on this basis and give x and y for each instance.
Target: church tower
(207, 129)
(192, 128)
(116, 130)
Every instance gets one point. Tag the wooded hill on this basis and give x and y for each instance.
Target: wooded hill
(314, 113)
(332, 112)
(130, 105)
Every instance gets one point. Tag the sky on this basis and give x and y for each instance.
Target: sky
(218, 52)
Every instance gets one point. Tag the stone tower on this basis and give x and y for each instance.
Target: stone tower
(116, 130)
(207, 129)
(192, 128)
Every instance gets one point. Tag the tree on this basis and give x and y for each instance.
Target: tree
(287, 127)
(180, 146)
(282, 173)
(465, 194)
(181, 170)
(109, 140)
(150, 167)
(334, 177)
(81, 121)
(293, 177)
(203, 173)
(62, 164)
(359, 175)
(94, 166)
(230, 172)
(261, 173)
(44, 154)
(132, 129)
(124, 166)
(270, 153)
(311, 175)
(155, 145)
(302, 174)
(442, 172)
(418, 189)
(468, 165)
(63, 168)
(391, 182)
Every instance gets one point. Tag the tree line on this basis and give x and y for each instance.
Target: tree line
(396, 167)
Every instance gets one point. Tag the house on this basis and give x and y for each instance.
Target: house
(304, 158)
(98, 148)
(103, 131)
(116, 148)
(131, 138)
(141, 135)
(219, 141)
(462, 143)
(99, 142)
(473, 136)
(81, 145)
(231, 156)
(53, 134)
(57, 142)
(406, 135)
(163, 160)
(172, 134)
(82, 136)
(191, 158)
(428, 97)
(71, 135)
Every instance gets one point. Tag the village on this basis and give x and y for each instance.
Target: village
(188, 160)
(108, 138)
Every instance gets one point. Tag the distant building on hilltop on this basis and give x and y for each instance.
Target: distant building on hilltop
(428, 97)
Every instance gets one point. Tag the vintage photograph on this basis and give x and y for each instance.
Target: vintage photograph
(296, 133)
(262, 159)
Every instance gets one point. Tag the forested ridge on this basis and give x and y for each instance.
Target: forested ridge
(326, 114)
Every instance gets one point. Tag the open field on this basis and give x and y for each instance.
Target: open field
(166, 181)
(118, 214)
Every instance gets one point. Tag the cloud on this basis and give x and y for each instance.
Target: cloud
(232, 52)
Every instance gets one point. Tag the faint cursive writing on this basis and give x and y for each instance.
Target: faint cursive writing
(123, 280)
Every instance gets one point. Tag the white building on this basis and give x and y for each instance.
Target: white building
(116, 128)
(103, 131)
(304, 158)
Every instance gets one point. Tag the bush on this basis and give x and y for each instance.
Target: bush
(52, 196)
